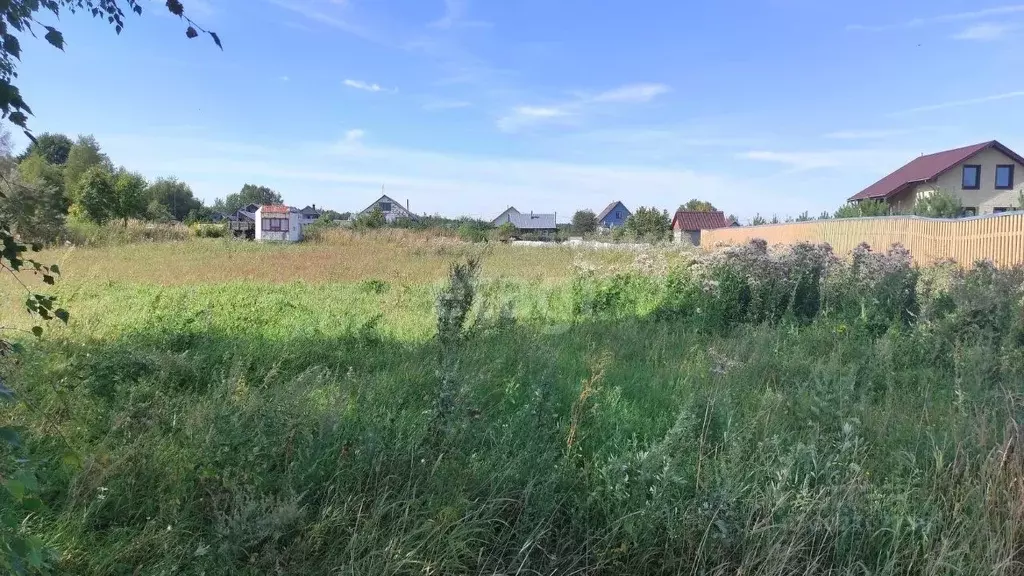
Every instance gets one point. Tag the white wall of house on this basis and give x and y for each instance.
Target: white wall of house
(986, 199)
(280, 226)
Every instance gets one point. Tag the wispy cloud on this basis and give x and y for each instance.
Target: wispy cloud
(959, 103)
(313, 11)
(360, 85)
(446, 104)
(632, 93)
(986, 32)
(354, 135)
(943, 18)
(803, 161)
(524, 116)
(284, 79)
(867, 134)
(530, 115)
(455, 17)
(345, 176)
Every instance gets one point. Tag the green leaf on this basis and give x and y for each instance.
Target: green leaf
(48, 279)
(54, 269)
(16, 488)
(54, 37)
(32, 504)
(27, 479)
(10, 435)
(72, 459)
(216, 39)
(37, 330)
(12, 46)
(62, 315)
(175, 7)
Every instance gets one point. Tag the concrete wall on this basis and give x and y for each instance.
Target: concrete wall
(998, 237)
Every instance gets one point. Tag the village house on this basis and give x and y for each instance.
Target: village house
(542, 224)
(982, 176)
(278, 222)
(390, 209)
(687, 224)
(614, 215)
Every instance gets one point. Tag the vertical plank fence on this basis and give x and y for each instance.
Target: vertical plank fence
(996, 237)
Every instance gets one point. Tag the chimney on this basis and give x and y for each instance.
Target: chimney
(314, 207)
(407, 204)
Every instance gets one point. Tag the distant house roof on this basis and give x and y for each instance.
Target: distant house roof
(926, 168)
(251, 207)
(309, 210)
(608, 210)
(275, 209)
(690, 220)
(531, 221)
(396, 208)
(245, 215)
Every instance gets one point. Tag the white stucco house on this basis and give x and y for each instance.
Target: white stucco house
(278, 222)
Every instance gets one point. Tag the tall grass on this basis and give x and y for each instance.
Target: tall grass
(756, 411)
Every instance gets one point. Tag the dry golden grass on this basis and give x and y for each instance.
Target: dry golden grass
(398, 256)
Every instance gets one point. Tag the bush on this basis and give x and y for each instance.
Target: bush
(83, 233)
(204, 230)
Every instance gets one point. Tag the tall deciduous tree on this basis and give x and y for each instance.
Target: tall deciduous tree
(32, 200)
(130, 198)
(648, 224)
(95, 197)
(53, 147)
(695, 205)
(249, 194)
(584, 222)
(84, 154)
(174, 196)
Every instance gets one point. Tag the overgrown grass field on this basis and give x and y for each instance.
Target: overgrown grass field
(359, 407)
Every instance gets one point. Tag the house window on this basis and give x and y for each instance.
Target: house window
(385, 206)
(618, 215)
(275, 224)
(972, 177)
(1004, 177)
(1000, 209)
(968, 211)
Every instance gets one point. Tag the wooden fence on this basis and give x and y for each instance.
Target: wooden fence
(997, 237)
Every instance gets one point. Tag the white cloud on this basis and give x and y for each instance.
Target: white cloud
(867, 134)
(344, 176)
(354, 135)
(455, 17)
(360, 85)
(522, 116)
(637, 93)
(943, 18)
(446, 104)
(284, 79)
(313, 10)
(958, 103)
(984, 32)
(857, 160)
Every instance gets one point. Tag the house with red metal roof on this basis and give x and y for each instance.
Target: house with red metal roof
(982, 176)
(687, 224)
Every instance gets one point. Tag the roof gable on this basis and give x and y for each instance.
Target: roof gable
(532, 221)
(690, 220)
(926, 168)
(608, 210)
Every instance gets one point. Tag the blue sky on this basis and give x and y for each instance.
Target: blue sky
(466, 106)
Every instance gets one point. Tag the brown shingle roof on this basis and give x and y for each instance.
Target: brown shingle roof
(689, 220)
(274, 208)
(927, 168)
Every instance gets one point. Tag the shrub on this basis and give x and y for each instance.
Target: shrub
(204, 230)
(83, 233)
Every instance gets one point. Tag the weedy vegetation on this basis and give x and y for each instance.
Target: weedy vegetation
(412, 406)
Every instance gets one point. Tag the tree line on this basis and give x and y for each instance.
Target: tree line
(57, 179)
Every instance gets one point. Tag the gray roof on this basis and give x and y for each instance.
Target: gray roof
(532, 221)
(609, 208)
